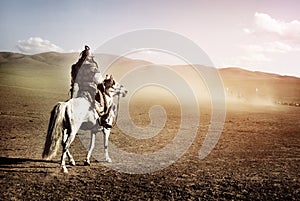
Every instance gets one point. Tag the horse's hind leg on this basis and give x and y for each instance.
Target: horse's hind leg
(67, 141)
(92, 145)
(71, 159)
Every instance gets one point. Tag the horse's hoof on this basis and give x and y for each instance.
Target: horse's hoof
(108, 160)
(86, 163)
(72, 163)
(64, 170)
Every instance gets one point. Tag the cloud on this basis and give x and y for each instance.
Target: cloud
(247, 31)
(253, 54)
(35, 45)
(282, 36)
(266, 23)
(248, 59)
(270, 47)
(266, 38)
(284, 31)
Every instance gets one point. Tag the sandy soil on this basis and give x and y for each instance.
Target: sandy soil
(257, 157)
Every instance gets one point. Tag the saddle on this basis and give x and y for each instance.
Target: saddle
(102, 90)
(100, 99)
(101, 106)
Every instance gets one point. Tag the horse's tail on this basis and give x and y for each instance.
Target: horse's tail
(55, 129)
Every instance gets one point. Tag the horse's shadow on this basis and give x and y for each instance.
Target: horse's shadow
(28, 165)
(6, 161)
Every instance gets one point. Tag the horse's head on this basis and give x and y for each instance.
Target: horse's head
(110, 86)
(109, 82)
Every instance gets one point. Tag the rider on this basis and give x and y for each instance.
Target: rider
(85, 76)
(85, 56)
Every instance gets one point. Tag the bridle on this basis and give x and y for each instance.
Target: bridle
(117, 111)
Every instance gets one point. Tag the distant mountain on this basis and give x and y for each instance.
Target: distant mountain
(239, 73)
(239, 84)
(43, 59)
(67, 59)
(260, 87)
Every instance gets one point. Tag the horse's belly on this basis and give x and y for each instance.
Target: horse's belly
(87, 125)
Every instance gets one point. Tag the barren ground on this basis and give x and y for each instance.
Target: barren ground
(257, 157)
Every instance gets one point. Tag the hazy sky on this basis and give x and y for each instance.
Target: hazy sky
(255, 35)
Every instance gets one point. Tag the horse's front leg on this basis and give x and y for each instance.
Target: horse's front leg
(106, 132)
(92, 145)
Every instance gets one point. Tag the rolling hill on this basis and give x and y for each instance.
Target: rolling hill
(51, 71)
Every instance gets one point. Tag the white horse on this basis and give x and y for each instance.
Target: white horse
(79, 113)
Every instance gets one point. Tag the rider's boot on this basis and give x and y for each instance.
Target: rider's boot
(104, 123)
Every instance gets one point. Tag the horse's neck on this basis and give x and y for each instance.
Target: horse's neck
(108, 97)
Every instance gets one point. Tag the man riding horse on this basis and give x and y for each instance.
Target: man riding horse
(83, 82)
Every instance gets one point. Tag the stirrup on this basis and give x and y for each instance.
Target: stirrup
(103, 123)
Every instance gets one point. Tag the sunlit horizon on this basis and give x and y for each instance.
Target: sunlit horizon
(257, 36)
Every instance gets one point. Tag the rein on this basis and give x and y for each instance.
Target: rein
(118, 106)
(109, 109)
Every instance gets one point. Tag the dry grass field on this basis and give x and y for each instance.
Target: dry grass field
(256, 158)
